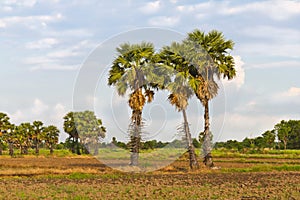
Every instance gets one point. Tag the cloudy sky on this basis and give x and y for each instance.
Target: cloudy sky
(45, 44)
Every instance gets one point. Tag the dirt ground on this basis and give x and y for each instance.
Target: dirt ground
(87, 178)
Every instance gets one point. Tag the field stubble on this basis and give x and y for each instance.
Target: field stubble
(84, 177)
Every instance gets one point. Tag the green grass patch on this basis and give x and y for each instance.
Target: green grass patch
(264, 168)
(279, 154)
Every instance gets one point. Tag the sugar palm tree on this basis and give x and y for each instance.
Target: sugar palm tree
(132, 71)
(37, 135)
(23, 137)
(180, 89)
(209, 53)
(4, 126)
(50, 135)
(10, 137)
(70, 128)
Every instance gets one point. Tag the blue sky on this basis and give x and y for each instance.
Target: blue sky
(45, 42)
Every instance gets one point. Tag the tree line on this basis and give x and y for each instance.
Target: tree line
(83, 128)
(284, 135)
(26, 135)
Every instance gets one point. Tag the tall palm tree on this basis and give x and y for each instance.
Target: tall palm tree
(132, 71)
(37, 136)
(210, 54)
(181, 89)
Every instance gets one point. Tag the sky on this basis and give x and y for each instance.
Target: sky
(46, 45)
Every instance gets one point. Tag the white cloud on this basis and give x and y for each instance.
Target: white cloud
(277, 10)
(61, 59)
(63, 53)
(164, 21)
(278, 35)
(50, 115)
(196, 7)
(2, 24)
(19, 3)
(292, 92)
(269, 49)
(56, 118)
(238, 126)
(39, 107)
(239, 80)
(18, 116)
(29, 20)
(151, 7)
(42, 44)
(82, 33)
(174, 1)
(279, 64)
(55, 67)
(6, 8)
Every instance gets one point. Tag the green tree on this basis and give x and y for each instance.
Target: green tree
(209, 53)
(269, 138)
(283, 130)
(23, 137)
(294, 136)
(50, 135)
(37, 135)
(180, 90)
(247, 143)
(70, 128)
(90, 130)
(10, 137)
(4, 126)
(259, 142)
(132, 70)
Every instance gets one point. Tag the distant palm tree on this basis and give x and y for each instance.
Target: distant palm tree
(70, 128)
(132, 71)
(51, 134)
(4, 126)
(10, 137)
(209, 53)
(180, 89)
(23, 137)
(37, 136)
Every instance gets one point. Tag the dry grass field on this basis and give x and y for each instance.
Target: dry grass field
(84, 177)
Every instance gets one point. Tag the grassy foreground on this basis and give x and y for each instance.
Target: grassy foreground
(84, 177)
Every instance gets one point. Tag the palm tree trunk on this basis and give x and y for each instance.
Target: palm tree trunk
(1, 149)
(77, 146)
(26, 150)
(51, 150)
(96, 150)
(285, 143)
(135, 138)
(73, 145)
(37, 150)
(207, 148)
(11, 149)
(192, 155)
